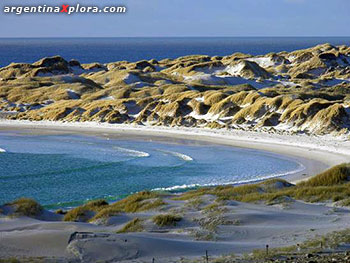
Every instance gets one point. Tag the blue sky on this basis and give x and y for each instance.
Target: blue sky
(150, 18)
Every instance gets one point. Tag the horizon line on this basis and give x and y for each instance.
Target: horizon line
(82, 37)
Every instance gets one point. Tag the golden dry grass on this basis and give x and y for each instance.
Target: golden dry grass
(83, 213)
(134, 225)
(166, 220)
(141, 201)
(26, 207)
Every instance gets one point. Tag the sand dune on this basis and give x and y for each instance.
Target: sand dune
(259, 225)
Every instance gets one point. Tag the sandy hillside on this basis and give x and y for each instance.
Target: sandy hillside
(305, 91)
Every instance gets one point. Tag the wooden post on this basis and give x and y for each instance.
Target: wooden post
(267, 250)
(206, 256)
(153, 260)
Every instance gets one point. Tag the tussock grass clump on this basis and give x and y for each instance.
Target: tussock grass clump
(211, 208)
(84, 212)
(276, 182)
(214, 208)
(172, 89)
(76, 214)
(214, 97)
(195, 203)
(135, 225)
(60, 212)
(336, 175)
(26, 207)
(226, 192)
(106, 212)
(203, 235)
(100, 209)
(166, 220)
(141, 201)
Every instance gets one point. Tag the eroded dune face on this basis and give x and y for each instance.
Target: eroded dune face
(302, 91)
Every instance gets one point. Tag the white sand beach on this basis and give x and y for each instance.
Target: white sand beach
(315, 153)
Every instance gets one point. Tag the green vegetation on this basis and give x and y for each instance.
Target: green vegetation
(195, 203)
(135, 225)
(211, 208)
(331, 185)
(26, 207)
(60, 212)
(210, 222)
(213, 217)
(141, 201)
(138, 202)
(215, 208)
(226, 259)
(336, 175)
(203, 235)
(76, 214)
(100, 209)
(166, 220)
(10, 260)
(83, 213)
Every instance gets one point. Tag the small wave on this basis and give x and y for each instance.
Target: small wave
(179, 155)
(177, 187)
(255, 180)
(132, 152)
(2, 150)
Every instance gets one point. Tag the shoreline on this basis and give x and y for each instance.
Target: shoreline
(246, 226)
(315, 153)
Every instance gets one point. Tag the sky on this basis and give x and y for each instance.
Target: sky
(184, 18)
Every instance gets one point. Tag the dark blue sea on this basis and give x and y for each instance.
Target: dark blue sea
(104, 50)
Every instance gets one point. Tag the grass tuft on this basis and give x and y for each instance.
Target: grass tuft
(135, 225)
(138, 202)
(83, 213)
(336, 175)
(166, 220)
(26, 207)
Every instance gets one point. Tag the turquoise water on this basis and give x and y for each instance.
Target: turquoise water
(67, 170)
(103, 50)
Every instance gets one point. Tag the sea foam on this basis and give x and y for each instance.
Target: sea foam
(179, 155)
(238, 182)
(131, 152)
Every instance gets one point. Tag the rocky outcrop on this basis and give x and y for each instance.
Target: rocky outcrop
(304, 91)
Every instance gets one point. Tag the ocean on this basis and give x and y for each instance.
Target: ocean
(67, 170)
(103, 50)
